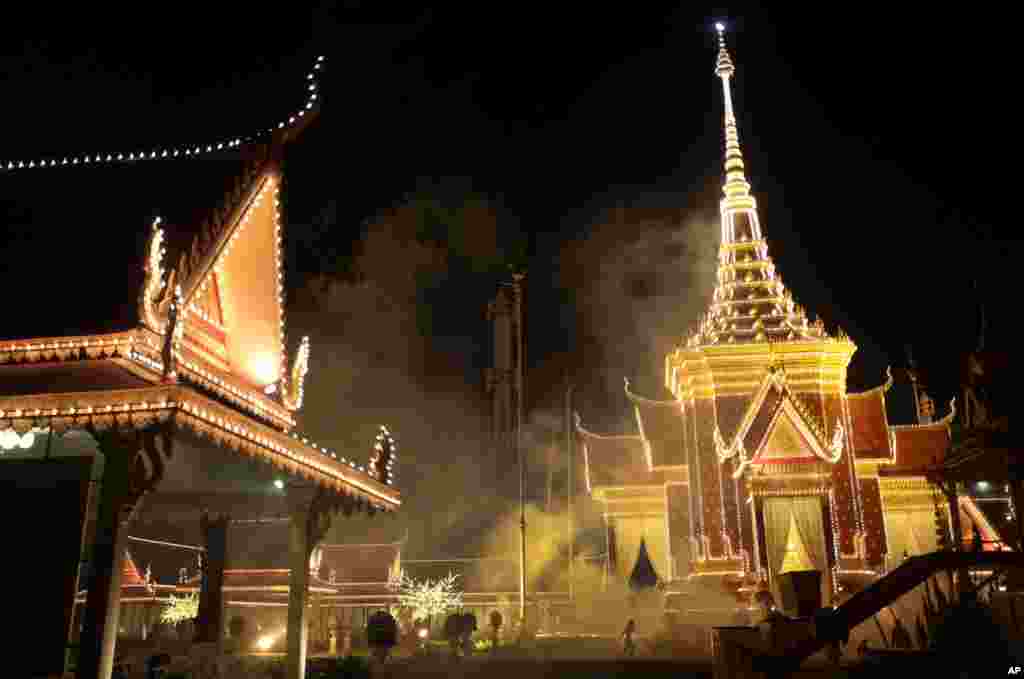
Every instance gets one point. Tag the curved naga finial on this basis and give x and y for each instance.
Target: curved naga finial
(294, 391)
(173, 332)
(835, 448)
(154, 286)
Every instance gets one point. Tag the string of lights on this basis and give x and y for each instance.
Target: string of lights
(181, 151)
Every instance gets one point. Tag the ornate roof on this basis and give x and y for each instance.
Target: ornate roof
(662, 428)
(750, 302)
(616, 461)
(922, 445)
(871, 439)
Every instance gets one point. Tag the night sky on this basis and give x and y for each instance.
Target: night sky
(873, 143)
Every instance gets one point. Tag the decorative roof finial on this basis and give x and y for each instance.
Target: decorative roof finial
(736, 189)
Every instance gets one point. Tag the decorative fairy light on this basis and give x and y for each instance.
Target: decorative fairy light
(383, 459)
(184, 151)
(835, 542)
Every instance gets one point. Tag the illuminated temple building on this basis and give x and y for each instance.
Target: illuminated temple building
(763, 462)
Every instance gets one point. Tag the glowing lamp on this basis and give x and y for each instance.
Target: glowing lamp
(264, 643)
(720, 27)
(279, 484)
(983, 485)
(423, 633)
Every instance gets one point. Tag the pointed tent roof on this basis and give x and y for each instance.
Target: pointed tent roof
(797, 557)
(643, 576)
(750, 301)
(129, 572)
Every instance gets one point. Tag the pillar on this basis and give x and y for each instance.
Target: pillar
(954, 518)
(308, 521)
(103, 602)
(210, 620)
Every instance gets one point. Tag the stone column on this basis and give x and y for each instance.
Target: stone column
(210, 620)
(309, 521)
(103, 602)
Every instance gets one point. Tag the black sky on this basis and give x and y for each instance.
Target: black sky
(874, 140)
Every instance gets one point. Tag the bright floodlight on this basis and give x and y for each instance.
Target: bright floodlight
(719, 27)
(279, 484)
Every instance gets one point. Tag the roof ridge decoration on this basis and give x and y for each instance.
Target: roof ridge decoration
(828, 448)
(154, 298)
(884, 387)
(776, 377)
(632, 396)
(946, 421)
(293, 389)
(297, 120)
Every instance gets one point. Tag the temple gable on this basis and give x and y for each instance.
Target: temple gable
(246, 282)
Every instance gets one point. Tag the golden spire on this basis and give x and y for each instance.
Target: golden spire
(737, 188)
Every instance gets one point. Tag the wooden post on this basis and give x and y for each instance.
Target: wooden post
(307, 525)
(210, 620)
(103, 602)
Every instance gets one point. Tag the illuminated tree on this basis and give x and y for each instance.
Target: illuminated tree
(180, 609)
(426, 598)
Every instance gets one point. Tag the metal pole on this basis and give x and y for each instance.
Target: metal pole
(570, 488)
(517, 279)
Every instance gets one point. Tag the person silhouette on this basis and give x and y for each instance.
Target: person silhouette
(628, 647)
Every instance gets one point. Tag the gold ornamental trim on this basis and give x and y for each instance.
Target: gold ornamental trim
(144, 407)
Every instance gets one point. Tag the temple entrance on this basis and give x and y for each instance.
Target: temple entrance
(795, 539)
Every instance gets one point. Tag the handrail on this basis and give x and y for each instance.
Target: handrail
(886, 590)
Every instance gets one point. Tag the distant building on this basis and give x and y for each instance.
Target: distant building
(762, 463)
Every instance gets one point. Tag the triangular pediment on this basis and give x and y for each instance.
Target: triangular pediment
(243, 286)
(205, 333)
(788, 435)
(785, 442)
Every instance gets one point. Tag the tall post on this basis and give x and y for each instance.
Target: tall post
(517, 280)
(210, 619)
(98, 639)
(307, 524)
(569, 492)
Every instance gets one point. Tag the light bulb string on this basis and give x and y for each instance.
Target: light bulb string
(181, 151)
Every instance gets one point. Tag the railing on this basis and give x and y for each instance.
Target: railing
(865, 603)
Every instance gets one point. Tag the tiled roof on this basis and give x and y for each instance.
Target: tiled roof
(662, 424)
(360, 563)
(922, 445)
(870, 425)
(616, 461)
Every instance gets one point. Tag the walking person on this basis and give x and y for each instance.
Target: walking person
(628, 646)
